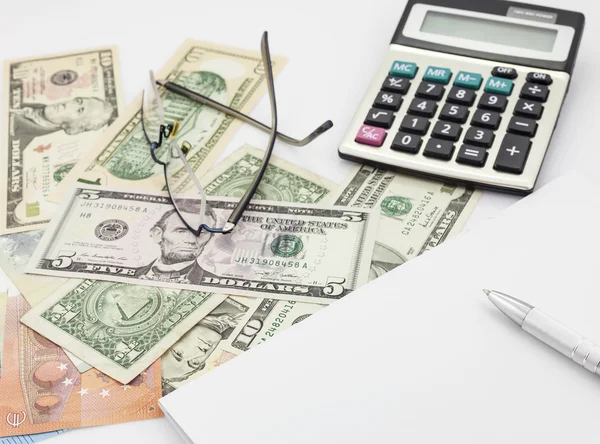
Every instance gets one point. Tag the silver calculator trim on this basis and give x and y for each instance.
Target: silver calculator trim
(560, 52)
(485, 176)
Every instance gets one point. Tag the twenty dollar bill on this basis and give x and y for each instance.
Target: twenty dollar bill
(284, 251)
(54, 109)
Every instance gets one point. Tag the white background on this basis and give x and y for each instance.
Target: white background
(334, 48)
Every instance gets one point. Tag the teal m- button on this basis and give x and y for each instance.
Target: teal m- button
(403, 69)
(468, 80)
(438, 75)
(498, 85)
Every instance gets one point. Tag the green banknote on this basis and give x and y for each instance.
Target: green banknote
(121, 158)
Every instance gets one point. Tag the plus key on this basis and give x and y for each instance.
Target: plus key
(512, 154)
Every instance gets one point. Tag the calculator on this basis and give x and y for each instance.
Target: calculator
(469, 91)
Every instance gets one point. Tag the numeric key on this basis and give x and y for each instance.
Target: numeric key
(387, 100)
(408, 143)
(461, 96)
(422, 107)
(454, 113)
(428, 90)
(486, 119)
(446, 130)
(494, 102)
(413, 124)
(479, 137)
(399, 85)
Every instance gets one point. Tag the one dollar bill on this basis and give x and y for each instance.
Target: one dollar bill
(120, 329)
(286, 251)
(3, 304)
(231, 76)
(55, 107)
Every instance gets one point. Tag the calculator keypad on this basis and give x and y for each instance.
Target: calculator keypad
(477, 137)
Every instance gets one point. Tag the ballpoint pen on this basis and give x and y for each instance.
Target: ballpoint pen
(548, 330)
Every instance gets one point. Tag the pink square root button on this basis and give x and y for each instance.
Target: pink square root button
(370, 135)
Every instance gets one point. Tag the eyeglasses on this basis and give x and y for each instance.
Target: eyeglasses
(172, 157)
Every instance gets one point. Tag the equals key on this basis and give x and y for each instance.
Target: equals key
(522, 126)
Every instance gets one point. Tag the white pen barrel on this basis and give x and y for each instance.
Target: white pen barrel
(569, 343)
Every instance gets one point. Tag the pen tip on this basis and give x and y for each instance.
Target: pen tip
(161, 82)
(487, 292)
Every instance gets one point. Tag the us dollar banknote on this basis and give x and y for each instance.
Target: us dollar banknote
(415, 214)
(231, 76)
(40, 391)
(284, 251)
(54, 109)
(120, 329)
(282, 181)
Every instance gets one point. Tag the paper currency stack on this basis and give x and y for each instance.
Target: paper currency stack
(111, 301)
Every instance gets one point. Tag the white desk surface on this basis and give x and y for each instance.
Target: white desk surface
(334, 48)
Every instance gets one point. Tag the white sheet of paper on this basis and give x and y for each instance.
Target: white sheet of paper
(420, 355)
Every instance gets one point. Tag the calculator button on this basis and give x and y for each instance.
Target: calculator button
(428, 90)
(529, 108)
(468, 80)
(505, 71)
(409, 143)
(462, 96)
(437, 74)
(540, 78)
(520, 125)
(534, 92)
(396, 85)
(447, 130)
(512, 154)
(497, 85)
(388, 100)
(422, 107)
(454, 113)
(486, 119)
(472, 155)
(380, 117)
(370, 135)
(413, 124)
(403, 69)
(479, 137)
(494, 102)
(440, 149)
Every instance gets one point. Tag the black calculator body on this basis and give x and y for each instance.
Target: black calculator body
(469, 92)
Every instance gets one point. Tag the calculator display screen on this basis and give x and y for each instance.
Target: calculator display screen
(489, 31)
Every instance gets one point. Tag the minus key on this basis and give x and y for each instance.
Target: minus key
(520, 125)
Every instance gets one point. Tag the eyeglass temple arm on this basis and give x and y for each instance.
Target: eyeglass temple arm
(189, 94)
(241, 206)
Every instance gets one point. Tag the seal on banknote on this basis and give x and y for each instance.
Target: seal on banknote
(64, 77)
(286, 245)
(111, 230)
(396, 206)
